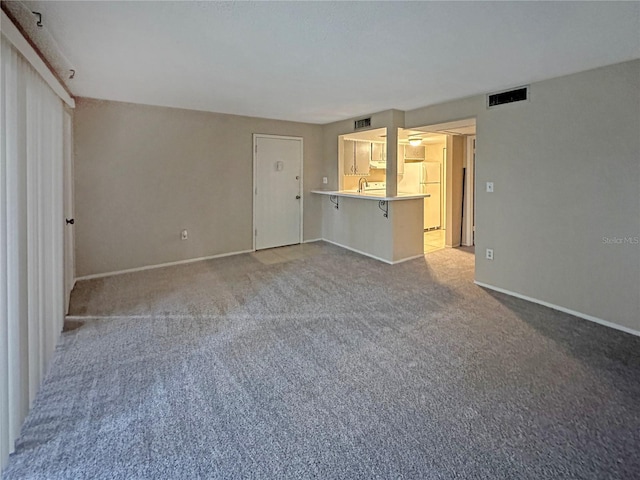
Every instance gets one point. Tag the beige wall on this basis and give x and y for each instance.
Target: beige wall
(143, 173)
(408, 234)
(358, 224)
(453, 190)
(433, 152)
(566, 169)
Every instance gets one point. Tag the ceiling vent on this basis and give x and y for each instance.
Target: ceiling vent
(362, 123)
(510, 96)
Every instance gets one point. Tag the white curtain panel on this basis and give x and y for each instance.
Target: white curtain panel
(31, 237)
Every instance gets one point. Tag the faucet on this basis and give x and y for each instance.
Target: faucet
(366, 184)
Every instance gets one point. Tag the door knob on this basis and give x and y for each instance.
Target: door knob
(70, 221)
(297, 197)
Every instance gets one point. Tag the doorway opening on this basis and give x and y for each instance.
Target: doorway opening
(439, 160)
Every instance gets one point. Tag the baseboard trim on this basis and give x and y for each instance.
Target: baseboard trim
(388, 262)
(584, 316)
(358, 251)
(395, 262)
(159, 265)
(313, 240)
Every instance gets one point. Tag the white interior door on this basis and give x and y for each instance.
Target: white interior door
(277, 183)
(69, 237)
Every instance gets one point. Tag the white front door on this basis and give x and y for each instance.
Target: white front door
(69, 244)
(277, 185)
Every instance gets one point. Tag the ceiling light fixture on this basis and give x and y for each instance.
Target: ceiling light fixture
(415, 142)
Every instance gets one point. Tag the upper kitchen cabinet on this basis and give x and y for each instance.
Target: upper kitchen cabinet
(378, 155)
(349, 157)
(409, 153)
(414, 153)
(358, 152)
(357, 155)
(363, 157)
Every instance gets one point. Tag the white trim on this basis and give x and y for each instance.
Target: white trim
(160, 265)
(68, 208)
(256, 136)
(88, 318)
(388, 262)
(469, 194)
(11, 32)
(395, 262)
(561, 309)
(313, 240)
(358, 251)
(178, 316)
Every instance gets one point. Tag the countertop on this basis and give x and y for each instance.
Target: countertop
(371, 195)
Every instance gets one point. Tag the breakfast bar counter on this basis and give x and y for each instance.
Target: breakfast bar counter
(389, 229)
(371, 195)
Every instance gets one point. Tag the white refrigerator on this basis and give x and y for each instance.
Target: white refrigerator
(425, 177)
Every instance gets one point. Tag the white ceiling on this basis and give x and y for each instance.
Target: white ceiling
(325, 61)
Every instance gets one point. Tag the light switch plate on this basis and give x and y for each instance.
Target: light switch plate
(325, 180)
(490, 187)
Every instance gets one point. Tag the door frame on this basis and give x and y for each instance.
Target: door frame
(254, 148)
(69, 264)
(469, 194)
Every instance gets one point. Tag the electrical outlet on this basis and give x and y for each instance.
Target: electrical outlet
(325, 180)
(184, 235)
(489, 254)
(490, 187)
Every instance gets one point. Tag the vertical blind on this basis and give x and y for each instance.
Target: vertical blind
(31, 237)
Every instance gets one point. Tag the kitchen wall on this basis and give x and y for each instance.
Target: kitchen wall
(350, 182)
(144, 173)
(564, 219)
(433, 151)
(352, 224)
(390, 119)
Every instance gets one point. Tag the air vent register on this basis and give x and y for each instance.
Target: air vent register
(510, 96)
(362, 123)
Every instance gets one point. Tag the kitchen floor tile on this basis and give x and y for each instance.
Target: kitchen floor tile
(433, 240)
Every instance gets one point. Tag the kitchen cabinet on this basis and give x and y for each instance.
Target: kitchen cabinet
(363, 158)
(409, 153)
(378, 155)
(349, 157)
(378, 152)
(414, 153)
(357, 156)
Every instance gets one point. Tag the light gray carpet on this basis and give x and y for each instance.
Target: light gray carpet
(330, 366)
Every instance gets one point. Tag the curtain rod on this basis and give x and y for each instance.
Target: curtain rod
(13, 35)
